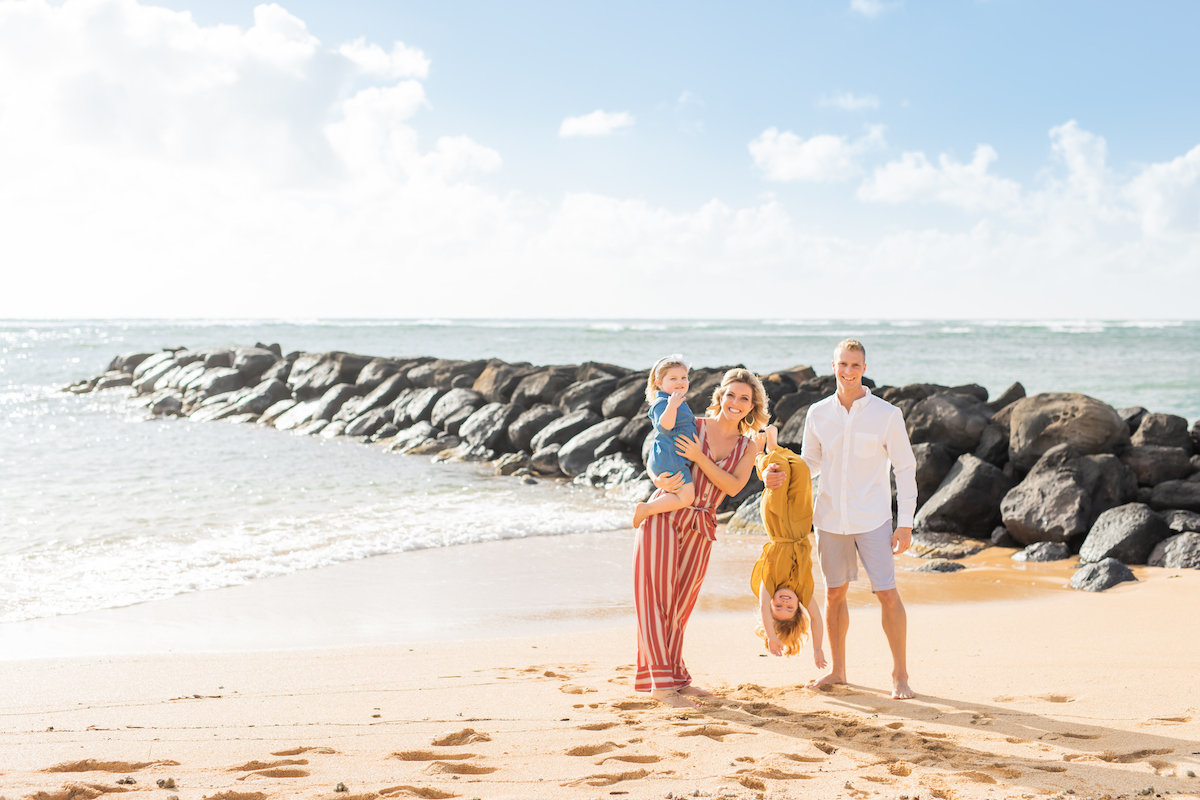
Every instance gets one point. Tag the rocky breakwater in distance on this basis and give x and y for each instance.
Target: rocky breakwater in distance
(1060, 474)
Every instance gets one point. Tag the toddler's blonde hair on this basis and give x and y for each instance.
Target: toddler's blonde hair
(658, 370)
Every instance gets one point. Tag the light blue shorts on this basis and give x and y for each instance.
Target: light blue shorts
(840, 554)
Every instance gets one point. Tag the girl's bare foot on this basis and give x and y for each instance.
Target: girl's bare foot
(640, 513)
(901, 689)
(829, 679)
(672, 698)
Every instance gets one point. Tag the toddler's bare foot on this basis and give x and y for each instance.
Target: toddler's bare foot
(672, 698)
(640, 513)
(901, 689)
(829, 679)
(772, 437)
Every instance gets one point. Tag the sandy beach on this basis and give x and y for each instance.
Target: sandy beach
(476, 672)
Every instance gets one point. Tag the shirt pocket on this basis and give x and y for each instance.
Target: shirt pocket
(866, 445)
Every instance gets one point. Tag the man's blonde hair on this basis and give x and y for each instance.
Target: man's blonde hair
(852, 344)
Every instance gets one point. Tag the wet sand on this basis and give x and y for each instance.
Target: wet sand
(504, 671)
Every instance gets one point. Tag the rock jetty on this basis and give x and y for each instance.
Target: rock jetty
(1024, 471)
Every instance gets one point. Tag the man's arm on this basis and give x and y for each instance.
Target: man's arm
(904, 464)
(810, 446)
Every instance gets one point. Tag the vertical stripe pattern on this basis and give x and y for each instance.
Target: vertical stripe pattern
(670, 560)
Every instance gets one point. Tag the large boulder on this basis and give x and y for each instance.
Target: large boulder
(586, 395)
(332, 400)
(298, 414)
(530, 423)
(783, 410)
(954, 420)
(1182, 521)
(127, 362)
(1101, 575)
(376, 371)
(365, 424)
(1127, 533)
(792, 433)
(419, 407)
(1044, 421)
(747, 518)
(487, 428)
(627, 400)
(257, 399)
(1153, 463)
(934, 462)
(1194, 435)
(545, 460)
(1063, 495)
(218, 380)
(1009, 396)
(453, 403)
(543, 386)
(252, 362)
(561, 430)
(1183, 495)
(580, 450)
(1043, 551)
(313, 374)
(1164, 430)
(968, 501)
(382, 396)
(993, 445)
(446, 373)
(416, 435)
(610, 470)
(498, 379)
(1181, 551)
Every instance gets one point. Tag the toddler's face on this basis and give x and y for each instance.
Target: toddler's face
(784, 604)
(674, 380)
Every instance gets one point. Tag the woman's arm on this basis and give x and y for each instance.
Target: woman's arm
(764, 607)
(727, 482)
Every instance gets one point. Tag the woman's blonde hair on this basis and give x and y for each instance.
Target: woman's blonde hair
(758, 416)
(658, 370)
(792, 633)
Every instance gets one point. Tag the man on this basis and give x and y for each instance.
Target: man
(850, 440)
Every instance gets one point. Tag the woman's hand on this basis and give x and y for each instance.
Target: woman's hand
(688, 447)
(669, 481)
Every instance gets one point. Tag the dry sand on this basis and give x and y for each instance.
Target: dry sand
(1025, 689)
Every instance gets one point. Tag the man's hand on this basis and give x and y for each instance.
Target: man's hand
(774, 476)
(901, 539)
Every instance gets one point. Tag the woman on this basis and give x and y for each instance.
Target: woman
(671, 555)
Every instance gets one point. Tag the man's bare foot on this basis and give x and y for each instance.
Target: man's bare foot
(640, 512)
(672, 698)
(901, 689)
(696, 691)
(829, 679)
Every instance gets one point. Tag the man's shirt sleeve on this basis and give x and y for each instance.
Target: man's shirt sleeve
(904, 464)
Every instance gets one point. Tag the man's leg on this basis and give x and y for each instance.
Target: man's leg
(895, 627)
(839, 566)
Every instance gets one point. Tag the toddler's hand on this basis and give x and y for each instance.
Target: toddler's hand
(819, 658)
(676, 399)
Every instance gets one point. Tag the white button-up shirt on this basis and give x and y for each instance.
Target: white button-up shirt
(851, 451)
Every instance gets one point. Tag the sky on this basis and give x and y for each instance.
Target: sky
(996, 159)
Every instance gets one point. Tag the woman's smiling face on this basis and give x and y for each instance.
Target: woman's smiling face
(737, 400)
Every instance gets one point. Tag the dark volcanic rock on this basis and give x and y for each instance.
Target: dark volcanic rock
(940, 565)
(611, 470)
(1181, 551)
(1010, 395)
(580, 449)
(313, 374)
(1063, 495)
(953, 420)
(545, 460)
(561, 430)
(1194, 433)
(530, 423)
(488, 427)
(367, 423)
(791, 435)
(1183, 495)
(1132, 416)
(447, 373)
(452, 403)
(1127, 533)
(384, 393)
(627, 400)
(252, 362)
(1043, 551)
(993, 445)
(127, 362)
(1044, 421)
(1152, 464)
(1165, 430)
(1181, 521)
(497, 380)
(218, 380)
(332, 400)
(968, 501)
(937, 544)
(168, 405)
(420, 406)
(788, 405)
(376, 371)
(543, 386)
(934, 462)
(415, 436)
(111, 380)
(257, 399)
(588, 395)
(1002, 538)
(633, 435)
(1101, 575)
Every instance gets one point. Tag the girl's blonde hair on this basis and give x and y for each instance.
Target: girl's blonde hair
(792, 633)
(658, 370)
(758, 416)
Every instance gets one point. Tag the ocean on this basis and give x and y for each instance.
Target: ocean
(101, 508)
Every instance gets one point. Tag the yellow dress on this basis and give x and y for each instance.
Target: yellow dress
(786, 559)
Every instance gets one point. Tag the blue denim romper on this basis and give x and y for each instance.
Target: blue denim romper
(663, 458)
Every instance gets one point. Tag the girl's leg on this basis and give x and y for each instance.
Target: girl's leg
(668, 501)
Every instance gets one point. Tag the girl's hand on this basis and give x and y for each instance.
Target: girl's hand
(676, 399)
(774, 646)
(669, 481)
(819, 658)
(688, 447)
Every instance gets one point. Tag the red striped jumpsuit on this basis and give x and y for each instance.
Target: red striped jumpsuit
(670, 560)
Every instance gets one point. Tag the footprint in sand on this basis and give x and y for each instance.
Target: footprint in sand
(802, 759)
(1160, 767)
(445, 767)
(254, 766)
(415, 791)
(774, 774)
(284, 772)
(92, 765)
(228, 795)
(571, 688)
(598, 726)
(465, 736)
(1049, 767)
(426, 755)
(900, 769)
(634, 705)
(975, 776)
(1055, 698)
(1005, 771)
(714, 732)
(631, 758)
(610, 779)
(1129, 758)
(825, 747)
(1173, 720)
(594, 749)
(296, 751)
(982, 719)
(894, 725)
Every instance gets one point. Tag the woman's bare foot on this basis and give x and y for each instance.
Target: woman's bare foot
(829, 679)
(696, 691)
(672, 698)
(901, 689)
(640, 512)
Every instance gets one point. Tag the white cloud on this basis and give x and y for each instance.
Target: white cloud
(401, 62)
(784, 156)
(1166, 196)
(597, 123)
(871, 8)
(848, 101)
(914, 179)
